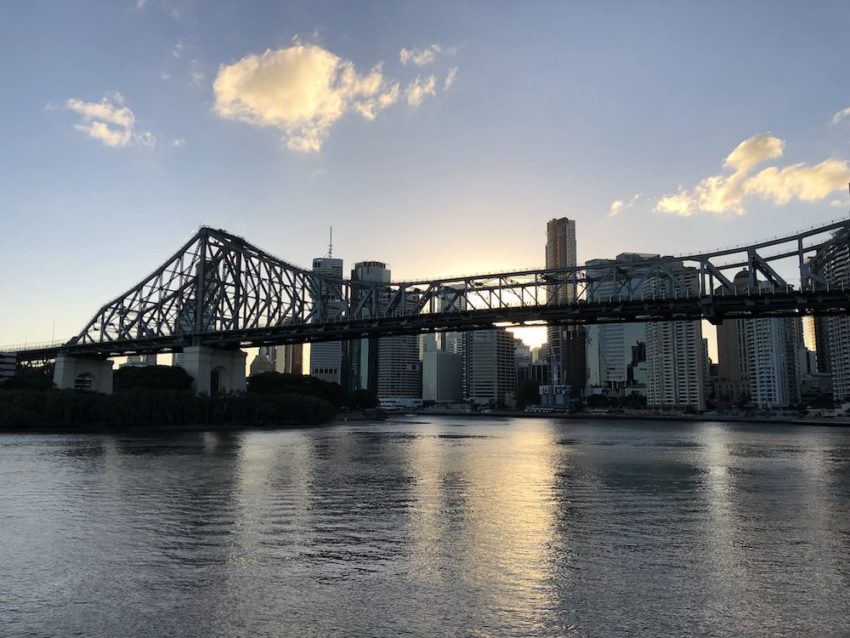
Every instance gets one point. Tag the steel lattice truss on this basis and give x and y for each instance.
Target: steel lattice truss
(215, 283)
(220, 290)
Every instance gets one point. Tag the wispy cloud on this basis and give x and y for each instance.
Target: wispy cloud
(419, 89)
(177, 142)
(618, 206)
(196, 75)
(726, 194)
(302, 90)
(420, 57)
(841, 115)
(450, 78)
(110, 122)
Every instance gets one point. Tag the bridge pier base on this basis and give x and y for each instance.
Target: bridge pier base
(83, 374)
(215, 371)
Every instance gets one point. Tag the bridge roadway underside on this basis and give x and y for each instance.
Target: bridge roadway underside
(713, 308)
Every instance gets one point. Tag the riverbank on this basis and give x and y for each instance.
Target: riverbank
(702, 418)
(74, 411)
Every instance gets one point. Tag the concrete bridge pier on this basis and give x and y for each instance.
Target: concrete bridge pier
(83, 374)
(215, 371)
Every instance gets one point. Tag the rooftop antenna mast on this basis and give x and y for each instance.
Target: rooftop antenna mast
(331, 244)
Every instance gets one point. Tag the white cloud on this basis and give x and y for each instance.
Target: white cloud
(140, 4)
(450, 78)
(419, 57)
(841, 115)
(301, 90)
(618, 206)
(165, 76)
(837, 203)
(110, 122)
(178, 142)
(798, 181)
(420, 88)
(726, 194)
(177, 50)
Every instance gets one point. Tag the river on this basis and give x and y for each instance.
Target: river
(429, 526)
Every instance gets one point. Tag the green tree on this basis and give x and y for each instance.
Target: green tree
(528, 393)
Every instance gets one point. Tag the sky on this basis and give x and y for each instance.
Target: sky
(439, 137)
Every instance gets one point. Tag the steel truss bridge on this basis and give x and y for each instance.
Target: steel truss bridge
(219, 290)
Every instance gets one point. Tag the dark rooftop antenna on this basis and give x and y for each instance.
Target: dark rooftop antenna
(331, 244)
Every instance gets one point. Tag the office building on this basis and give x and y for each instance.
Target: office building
(327, 358)
(139, 361)
(489, 374)
(442, 371)
(261, 363)
(616, 353)
(364, 352)
(388, 366)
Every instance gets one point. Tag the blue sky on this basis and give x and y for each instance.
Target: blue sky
(126, 125)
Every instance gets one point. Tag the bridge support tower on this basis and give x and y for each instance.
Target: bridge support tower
(83, 374)
(215, 371)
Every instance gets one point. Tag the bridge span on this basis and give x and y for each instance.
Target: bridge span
(219, 293)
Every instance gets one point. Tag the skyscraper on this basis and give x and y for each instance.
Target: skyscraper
(326, 358)
(389, 366)
(364, 352)
(566, 344)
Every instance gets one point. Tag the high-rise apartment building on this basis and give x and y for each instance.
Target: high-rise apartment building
(833, 332)
(326, 358)
(771, 371)
(399, 368)
(674, 349)
(489, 374)
(758, 358)
(566, 343)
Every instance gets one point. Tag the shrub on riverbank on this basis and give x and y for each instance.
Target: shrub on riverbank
(139, 408)
(151, 378)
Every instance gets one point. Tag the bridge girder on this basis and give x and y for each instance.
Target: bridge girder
(220, 289)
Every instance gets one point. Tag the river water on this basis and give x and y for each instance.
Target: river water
(429, 526)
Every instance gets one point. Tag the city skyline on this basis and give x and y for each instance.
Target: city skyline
(162, 124)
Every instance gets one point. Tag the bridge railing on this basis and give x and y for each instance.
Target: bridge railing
(27, 346)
